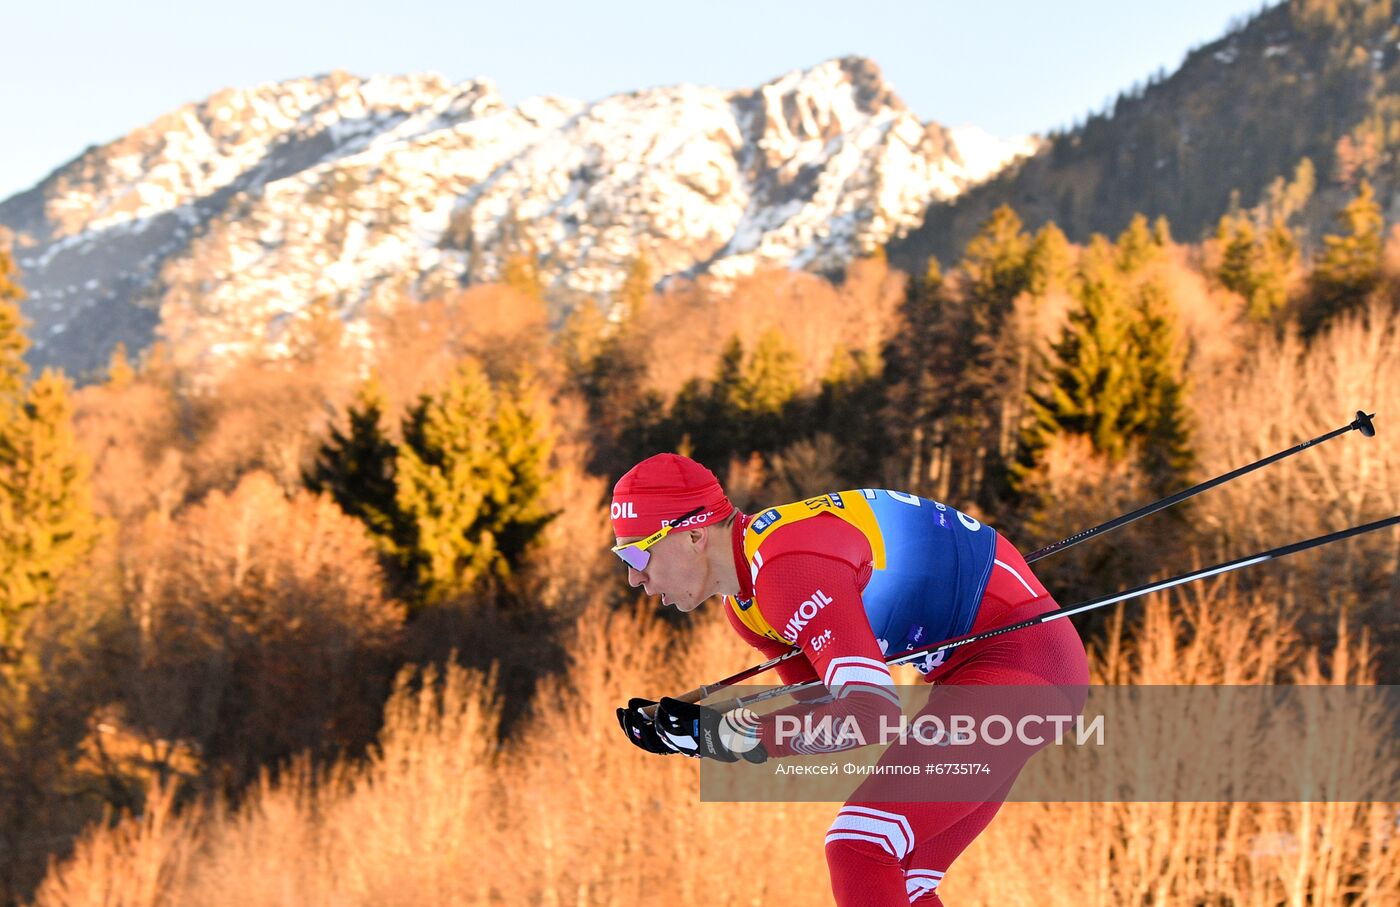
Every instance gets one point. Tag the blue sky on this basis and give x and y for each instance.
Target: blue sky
(76, 74)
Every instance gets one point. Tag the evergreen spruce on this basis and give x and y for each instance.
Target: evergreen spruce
(119, 371)
(1278, 259)
(1089, 390)
(1050, 264)
(1239, 254)
(355, 466)
(723, 429)
(1160, 423)
(13, 342)
(636, 287)
(470, 477)
(447, 469)
(995, 262)
(1256, 266)
(1140, 245)
(985, 361)
(769, 378)
(917, 378)
(1114, 376)
(1161, 232)
(47, 522)
(10, 289)
(524, 442)
(1349, 268)
(521, 272)
(768, 386)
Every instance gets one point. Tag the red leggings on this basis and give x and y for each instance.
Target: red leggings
(882, 853)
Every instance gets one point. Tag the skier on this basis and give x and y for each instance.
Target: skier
(848, 577)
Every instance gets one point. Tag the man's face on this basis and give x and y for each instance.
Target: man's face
(676, 570)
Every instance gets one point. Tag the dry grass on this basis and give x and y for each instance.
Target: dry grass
(1195, 853)
(570, 815)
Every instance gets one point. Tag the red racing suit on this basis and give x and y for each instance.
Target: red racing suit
(851, 578)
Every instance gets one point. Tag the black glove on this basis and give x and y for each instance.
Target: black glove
(698, 731)
(640, 729)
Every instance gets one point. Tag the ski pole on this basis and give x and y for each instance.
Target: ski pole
(710, 689)
(1184, 578)
(1361, 423)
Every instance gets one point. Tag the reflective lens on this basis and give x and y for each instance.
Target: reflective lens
(634, 557)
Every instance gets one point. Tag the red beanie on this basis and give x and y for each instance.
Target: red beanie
(662, 488)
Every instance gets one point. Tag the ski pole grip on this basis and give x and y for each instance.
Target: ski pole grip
(695, 695)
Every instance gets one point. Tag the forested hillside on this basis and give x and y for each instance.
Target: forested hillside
(210, 590)
(1281, 118)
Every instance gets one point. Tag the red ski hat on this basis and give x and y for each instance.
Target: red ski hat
(662, 488)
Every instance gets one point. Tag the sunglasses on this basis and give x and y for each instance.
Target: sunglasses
(636, 555)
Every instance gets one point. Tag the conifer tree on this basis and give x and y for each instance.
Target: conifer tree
(1089, 390)
(47, 522)
(636, 287)
(769, 379)
(581, 340)
(13, 342)
(470, 476)
(1239, 254)
(521, 272)
(1139, 245)
(723, 430)
(610, 371)
(520, 260)
(1256, 266)
(10, 290)
(768, 384)
(1278, 259)
(1113, 375)
(119, 371)
(1161, 232)
(524, 442)
(447, 469)
(1160, 424)
(850, 409)
(985, 359)
(1350, 265)
(917, 378)
(710, 412)
(995, 262)
(1050, 263)
(355, 466)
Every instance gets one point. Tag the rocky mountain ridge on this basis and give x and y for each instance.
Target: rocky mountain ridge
(217, 225)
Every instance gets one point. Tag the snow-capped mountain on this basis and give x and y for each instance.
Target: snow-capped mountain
(220, 221)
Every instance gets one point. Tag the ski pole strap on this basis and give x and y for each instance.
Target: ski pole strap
(1361, 423)
(1091, 605)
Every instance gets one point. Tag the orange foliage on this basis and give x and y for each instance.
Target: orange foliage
(570, 814)
(818, 319)
(419, 345)
(255, 618)
(1282, 393)
(259, 627)
(263, 416)
(131, 435)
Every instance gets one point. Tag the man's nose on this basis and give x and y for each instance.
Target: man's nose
(635, 577)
